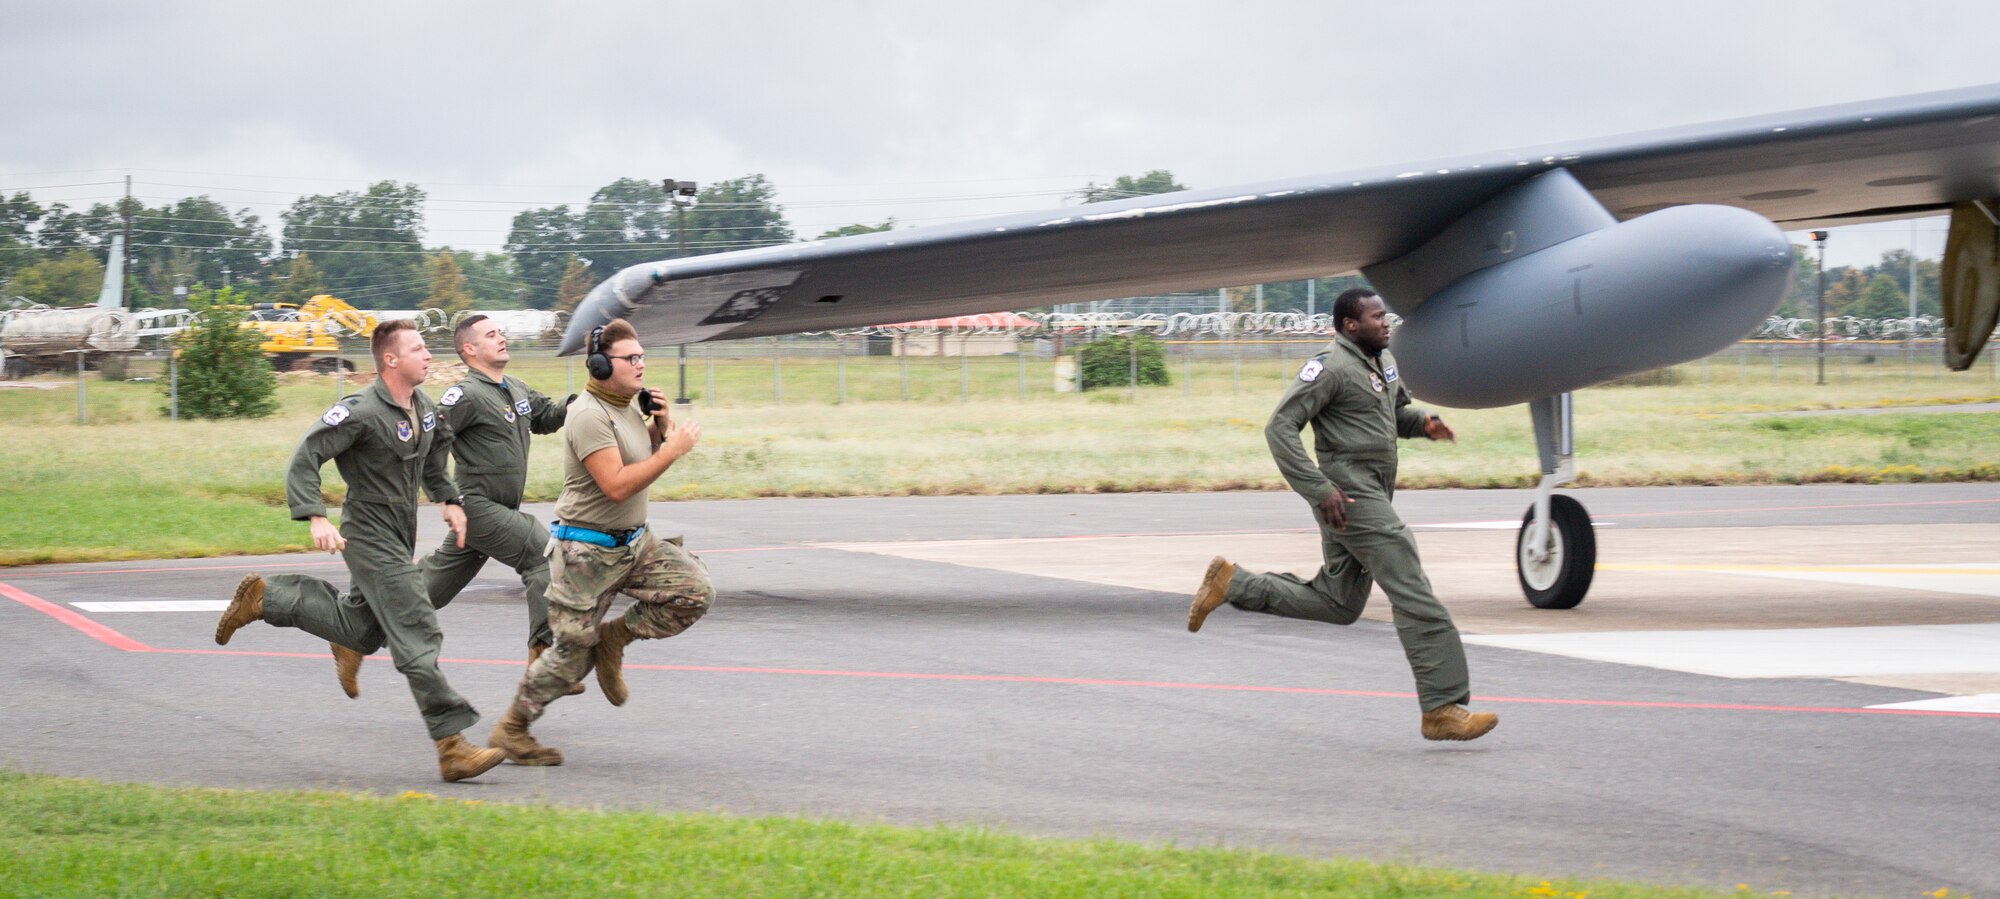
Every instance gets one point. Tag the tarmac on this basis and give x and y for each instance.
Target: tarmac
(1789, 688)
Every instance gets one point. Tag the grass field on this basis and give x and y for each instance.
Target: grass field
(62, 837)
(130, 484)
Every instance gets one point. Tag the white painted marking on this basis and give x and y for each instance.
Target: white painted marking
(155, 605)
(1984, 702)
(1805, 652)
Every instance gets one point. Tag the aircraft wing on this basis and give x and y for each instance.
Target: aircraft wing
(1883, 159)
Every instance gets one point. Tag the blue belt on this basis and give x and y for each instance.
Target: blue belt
(600, 538)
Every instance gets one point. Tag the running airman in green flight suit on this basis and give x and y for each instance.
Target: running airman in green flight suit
(1353, 397)
(387, 441)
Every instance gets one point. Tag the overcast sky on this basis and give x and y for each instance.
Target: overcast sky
(925, 111)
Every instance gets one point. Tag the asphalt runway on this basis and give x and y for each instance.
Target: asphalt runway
(1792, 688)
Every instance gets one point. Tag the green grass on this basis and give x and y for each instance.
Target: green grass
(62, 837)
(130, 484)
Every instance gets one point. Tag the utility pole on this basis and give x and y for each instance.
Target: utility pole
(126, 269)
(1819, 305)
(681, 193)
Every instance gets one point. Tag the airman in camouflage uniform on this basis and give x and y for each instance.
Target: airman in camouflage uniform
(1352, 396)
(492, 417)
(602, 546)
(386, 440)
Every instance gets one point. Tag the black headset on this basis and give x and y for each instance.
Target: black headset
(597, 364)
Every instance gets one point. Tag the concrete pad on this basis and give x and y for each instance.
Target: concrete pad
(1816, 652)
(1985, 702)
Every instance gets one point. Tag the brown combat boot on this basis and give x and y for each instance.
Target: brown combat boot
(1453, 722)
(609, 659)
(458, 760)
(535, 651)
(246, 606)
(511, 736)
(346, 664)
(1212, 593)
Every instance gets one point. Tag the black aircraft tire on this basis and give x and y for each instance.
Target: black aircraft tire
(1562, 582)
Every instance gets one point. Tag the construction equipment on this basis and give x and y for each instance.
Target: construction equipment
(300, 337)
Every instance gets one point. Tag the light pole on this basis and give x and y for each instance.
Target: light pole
(1819, 305)
(681, 193)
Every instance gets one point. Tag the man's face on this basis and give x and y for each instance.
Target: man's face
(411, 360)
(486, 346)
(628, 366)
(1370, 331)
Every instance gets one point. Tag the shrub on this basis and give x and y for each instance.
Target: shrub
(1107, 361)
(223, 374)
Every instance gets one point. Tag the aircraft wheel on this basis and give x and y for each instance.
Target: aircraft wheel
(1560, 579)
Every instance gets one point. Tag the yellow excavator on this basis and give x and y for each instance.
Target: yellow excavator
(298, 337)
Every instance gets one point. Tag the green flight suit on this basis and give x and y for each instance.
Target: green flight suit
(1357, 408)
(491, 422)
(384, 454)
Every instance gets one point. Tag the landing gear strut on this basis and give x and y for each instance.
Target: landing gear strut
(1556, 553)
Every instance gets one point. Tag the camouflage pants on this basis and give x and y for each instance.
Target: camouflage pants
(670, 585)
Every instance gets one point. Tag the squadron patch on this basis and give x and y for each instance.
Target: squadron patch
(1311, 370)
(403, 431)
(335, 415)
(430, 420)
(1390, 375)
(452, 396)
(510, 415)
(1375, 381)
(522, 407)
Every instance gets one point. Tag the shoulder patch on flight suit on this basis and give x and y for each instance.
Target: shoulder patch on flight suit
(336, 415)
(1390, 375)
(522, 407)
(452, 396)
(1310, 371)
(1375, 381)
(430, 420)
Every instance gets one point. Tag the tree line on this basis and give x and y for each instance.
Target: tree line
(367, 248)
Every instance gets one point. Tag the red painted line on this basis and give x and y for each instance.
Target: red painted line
(90, 628)
(120, 641)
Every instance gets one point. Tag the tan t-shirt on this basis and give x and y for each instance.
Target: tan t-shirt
(593, 425)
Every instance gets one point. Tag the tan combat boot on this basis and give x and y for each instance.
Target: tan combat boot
(1212, 593)
(246, 606)
(511, 736)
(458, 760)
(1453, 722)
(608, 656)
(535, 651)
(346, 664)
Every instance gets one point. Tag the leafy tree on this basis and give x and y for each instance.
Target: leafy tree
(542, 242)
(735, 214)
(1107, 361)
(576, 284)
(492, 280)
(63, 230)
(202, 231)
(369, 243)
(858, 228)
(73, 279)
(448, 285)
(627, 223)
(301, 282)
(15, 254)
(1157, 181)
(18, 214)
(223, 374)
(1882, 298)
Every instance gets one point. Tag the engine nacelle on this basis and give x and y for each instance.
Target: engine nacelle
(1672, 286)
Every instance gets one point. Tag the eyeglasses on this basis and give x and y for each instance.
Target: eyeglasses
(636, 359)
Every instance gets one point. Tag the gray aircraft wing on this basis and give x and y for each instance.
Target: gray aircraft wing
(1883, 159)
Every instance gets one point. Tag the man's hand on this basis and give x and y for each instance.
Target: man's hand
(326, 536)
(454, 518)
(1333, 509)
(681, 438)
(1436, 429)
